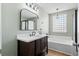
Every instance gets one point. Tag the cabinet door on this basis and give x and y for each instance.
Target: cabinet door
(31, 48)
(38, 47)
(46, 44)
(26, 49)
(42, 44)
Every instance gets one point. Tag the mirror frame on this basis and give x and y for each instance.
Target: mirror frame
(26, 20)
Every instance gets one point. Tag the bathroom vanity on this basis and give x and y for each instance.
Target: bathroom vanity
(33, 46)
(29, 45)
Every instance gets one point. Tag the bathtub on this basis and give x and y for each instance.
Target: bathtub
(62, 44)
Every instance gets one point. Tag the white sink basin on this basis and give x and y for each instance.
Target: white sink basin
(28, 38)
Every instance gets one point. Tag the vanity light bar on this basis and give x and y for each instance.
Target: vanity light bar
(34, 6)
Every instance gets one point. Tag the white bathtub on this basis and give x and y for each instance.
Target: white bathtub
(61, 43)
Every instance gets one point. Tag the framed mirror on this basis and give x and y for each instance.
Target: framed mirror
(28, 20)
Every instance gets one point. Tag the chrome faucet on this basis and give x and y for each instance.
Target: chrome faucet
(33, 33)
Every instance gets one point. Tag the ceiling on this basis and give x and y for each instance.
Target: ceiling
(51, 7)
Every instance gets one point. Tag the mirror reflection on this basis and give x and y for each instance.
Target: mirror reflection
(28, 20)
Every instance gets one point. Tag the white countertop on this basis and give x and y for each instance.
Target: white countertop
(27, 38)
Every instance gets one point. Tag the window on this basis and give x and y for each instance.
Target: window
(59, 23)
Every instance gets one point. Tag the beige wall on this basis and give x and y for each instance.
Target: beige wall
(70, 14)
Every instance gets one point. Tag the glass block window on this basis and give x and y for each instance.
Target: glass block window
(59, 23)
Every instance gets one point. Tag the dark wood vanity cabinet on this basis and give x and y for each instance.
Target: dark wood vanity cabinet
(38, 47)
